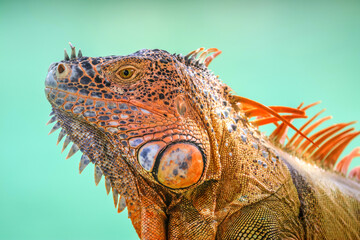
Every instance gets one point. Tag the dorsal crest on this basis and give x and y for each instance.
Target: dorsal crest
(323, 147)
(201, 62)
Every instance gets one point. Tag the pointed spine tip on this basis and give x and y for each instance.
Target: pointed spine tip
(61, 135)
(66, 55)
(122, 204)
(66, 143)
(74, 148)
(98, 174)
(83, 163)
(115, 197)
(53, 119)
(55, 127)
(73, 53)
(107, 185)
(80, 54)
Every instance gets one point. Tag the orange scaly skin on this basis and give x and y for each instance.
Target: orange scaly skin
(179, 148)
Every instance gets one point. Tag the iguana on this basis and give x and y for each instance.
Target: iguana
(186, 156)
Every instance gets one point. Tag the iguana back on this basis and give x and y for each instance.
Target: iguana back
(330, 203)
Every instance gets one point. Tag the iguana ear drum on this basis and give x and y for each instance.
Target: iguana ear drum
(180, 165)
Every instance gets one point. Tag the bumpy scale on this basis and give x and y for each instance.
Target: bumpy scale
(188, 161)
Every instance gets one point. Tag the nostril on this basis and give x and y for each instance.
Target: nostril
(61, 68)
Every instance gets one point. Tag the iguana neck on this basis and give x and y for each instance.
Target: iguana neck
(250, 167)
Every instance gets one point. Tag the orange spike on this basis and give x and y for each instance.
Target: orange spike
(277, 133)
(264, 121)
(303, 127)
(331, 159)
(279, 109)
(252, 112)
(329, 144)
(326, 136)
(206, 52)
(283, 129)
(355, 173)
(276, 124)
(334, 128)
(308, 130)
(245, 107)
(282, 109)
(301, 104)
(344, 163)
(194, 53)
(259, 105)
(209, 59)
(310, 105)
(284, 135)
(303, 146)
(280, 133)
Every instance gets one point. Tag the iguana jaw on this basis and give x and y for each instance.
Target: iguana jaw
(86, 137)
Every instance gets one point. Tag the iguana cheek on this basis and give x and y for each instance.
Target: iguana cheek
(180, 165)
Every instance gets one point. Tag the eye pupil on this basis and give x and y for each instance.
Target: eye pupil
(126, 73)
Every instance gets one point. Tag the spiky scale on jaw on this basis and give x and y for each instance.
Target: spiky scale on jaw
(61, 135)
(115, 197)
(66, 143)
(74, 148)
(98, 174)
(117, 108)
(121, 205)
(53, 119)
(83, 163)
(55, 127)
(107, 185)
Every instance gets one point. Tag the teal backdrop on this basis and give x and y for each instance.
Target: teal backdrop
(275, 52)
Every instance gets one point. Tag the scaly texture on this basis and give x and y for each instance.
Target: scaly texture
(188, 160)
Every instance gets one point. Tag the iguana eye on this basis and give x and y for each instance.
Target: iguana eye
(126, 73)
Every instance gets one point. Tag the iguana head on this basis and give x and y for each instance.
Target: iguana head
(148, 114)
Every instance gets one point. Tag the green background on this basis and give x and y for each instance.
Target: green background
(275, 52)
